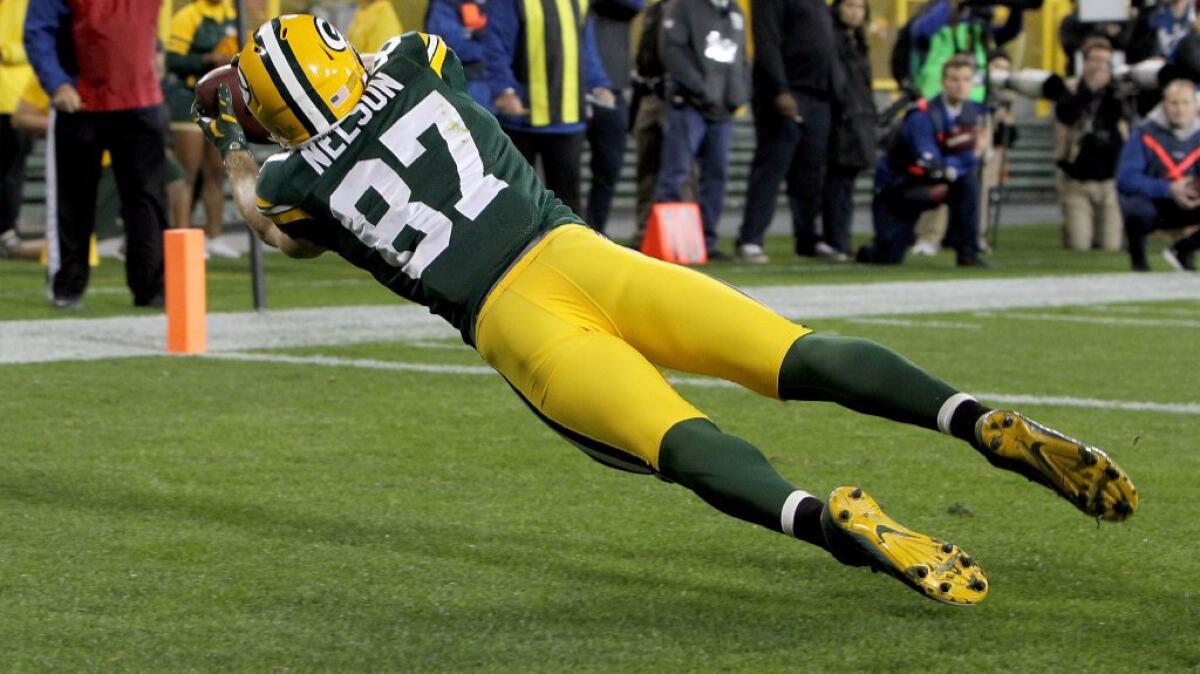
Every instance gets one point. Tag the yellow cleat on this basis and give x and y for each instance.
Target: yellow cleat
(860, 534)
(1083, 475)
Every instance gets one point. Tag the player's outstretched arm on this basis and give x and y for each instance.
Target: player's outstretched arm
(226, 134)
(243, 180)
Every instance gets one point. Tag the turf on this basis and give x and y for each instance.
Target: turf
(198, 514)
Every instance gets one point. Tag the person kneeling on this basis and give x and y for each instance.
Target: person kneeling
(931, 159)
(1157, 178)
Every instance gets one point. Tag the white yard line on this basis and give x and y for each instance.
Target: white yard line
(1177, 312)
(703, 382)
(1094, 320)
(357, 363)
(923, 325)
(90, 339)
(40, 293)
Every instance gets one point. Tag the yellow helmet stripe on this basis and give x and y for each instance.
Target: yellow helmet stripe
(286, 82)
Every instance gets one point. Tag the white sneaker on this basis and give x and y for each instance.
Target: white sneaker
(10, 243)
(752, 253)
(1177, 261)
(924, 248)
(828, 252)
(218, 248)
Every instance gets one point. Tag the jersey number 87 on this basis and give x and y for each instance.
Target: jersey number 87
(401, 140)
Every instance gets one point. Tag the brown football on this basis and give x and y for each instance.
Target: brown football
(206, 96)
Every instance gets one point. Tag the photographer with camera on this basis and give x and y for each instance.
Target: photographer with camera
(1157, 177)
(930, 160)
(1088, 140)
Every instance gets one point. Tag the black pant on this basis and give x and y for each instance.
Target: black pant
(14, 148)
(561, 155)
(895, 211)
(837, 207)
(135, 140)
(795, 151)
(1142, 216)
(606, 137)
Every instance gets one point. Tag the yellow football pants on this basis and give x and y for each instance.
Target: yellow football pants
(580, 325)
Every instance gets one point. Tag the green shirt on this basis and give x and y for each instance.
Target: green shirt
(418, 186)
(965, 37)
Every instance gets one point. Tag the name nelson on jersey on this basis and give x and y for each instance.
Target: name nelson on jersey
(381, 89)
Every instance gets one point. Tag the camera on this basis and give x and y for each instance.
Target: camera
(1029, 82)
(1140, 76)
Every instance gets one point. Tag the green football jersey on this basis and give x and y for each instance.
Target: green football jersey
(418, 185)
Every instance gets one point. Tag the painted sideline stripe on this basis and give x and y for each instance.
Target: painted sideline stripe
(66, 339)
(702, 382)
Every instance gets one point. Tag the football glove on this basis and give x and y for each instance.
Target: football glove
(223, 131)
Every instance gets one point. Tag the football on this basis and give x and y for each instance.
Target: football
(206, 96)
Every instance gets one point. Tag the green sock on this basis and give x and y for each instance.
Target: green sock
(863, 376)
(734, 477)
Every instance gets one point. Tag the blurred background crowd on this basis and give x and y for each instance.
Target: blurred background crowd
(901, 118)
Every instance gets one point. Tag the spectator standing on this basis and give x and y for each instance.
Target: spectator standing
(32, 117)
(1073, 33)
(649, 111)
(951, 28)
(1157, 174)
(606, 130)
(931, 159)
(793, 86)
(702, 45)
(1158, 30)
(853, 142)
(1088, 143)
(14, 144)
(374, 23)
(203, 37)
(461, 24)
(541, 64)
(104, 95)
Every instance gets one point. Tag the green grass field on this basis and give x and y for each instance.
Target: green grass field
(199, 514)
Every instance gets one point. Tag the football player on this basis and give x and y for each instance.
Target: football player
(396, 169)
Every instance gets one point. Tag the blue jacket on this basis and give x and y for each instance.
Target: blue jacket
(1142, 171)
(504, 37)
(931, 136)
(445, 20)
(1168, 30)
(49, 43)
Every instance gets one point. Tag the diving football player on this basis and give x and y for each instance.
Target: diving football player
(397, 170)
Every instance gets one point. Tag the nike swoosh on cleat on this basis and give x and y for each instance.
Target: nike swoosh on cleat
(881, 529)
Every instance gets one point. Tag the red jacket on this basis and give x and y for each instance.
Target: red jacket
(104, 47)
(114, 44)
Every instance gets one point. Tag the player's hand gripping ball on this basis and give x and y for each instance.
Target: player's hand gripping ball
(206, 101)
